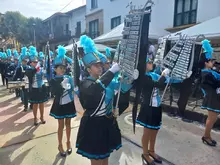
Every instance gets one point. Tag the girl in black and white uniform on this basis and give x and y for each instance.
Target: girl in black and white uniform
(210, 84)
(98, 134)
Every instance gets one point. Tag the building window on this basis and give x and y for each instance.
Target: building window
(78, 29)
(185, 12)
(94, 28)
(67, 29)
(94, 4)
(115, 22)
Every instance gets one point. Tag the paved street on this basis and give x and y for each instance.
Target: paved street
(22, 144)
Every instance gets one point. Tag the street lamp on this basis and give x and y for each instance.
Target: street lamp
(34, 34)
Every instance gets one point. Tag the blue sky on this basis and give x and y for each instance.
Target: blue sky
(39, 8)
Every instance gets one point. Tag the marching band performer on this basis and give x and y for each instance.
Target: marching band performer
(98, 133)
(210, 84)
(16, 58)
(10, 70)
(7, 65)
(20, 75)
(150, 116)
(63, 108)
(37, 89)
(41, 59)
(3, 67)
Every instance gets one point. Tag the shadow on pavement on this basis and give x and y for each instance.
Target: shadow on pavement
(124, 156)
(9, 125)
(7, 157)
(58, 158)
(9, 111)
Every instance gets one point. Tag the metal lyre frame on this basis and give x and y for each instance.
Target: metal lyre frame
(122, 72)
(201, 36)
(168, 83)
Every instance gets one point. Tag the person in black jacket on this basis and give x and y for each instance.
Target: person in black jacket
(20, 75)
(99, 134)
(210, 84)
(4, 64)
(63, 108)
(150, 116)
(2, 67)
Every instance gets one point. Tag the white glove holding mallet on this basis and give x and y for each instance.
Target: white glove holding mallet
(115, 68)
(166, 72)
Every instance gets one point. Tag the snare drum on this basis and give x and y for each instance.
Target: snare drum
(15, 84)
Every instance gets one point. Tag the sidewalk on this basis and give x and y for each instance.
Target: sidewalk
(15, 125)
(44, 151)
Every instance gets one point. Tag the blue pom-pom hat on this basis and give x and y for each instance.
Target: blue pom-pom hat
(61, 58)
(24, 54)
(208, 50)
(33, 55)
(90, 55)
(41, 56)
(16, 55)
(108, 53)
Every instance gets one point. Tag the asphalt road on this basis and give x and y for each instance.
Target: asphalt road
(178, 142)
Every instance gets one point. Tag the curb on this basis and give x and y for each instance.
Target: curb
(191, 115)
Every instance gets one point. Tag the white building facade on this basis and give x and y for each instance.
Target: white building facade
(77, 21)
(170, 15)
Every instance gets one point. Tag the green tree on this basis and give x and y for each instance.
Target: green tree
(14, 23)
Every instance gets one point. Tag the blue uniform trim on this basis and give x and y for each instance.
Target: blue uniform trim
(211, 109)
(63, 117)
(203, 91)
(148, 126)
(38, 102)
(98, 81)
(214, 73)
(91, 156)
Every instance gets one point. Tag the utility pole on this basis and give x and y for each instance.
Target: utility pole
(34, 34)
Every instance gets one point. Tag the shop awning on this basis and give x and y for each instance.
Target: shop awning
(116, 34)
(99, 47)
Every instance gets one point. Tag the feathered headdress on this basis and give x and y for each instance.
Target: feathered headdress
(33, 53)
(90, 51)
(108, 53)
(61, 52)
(208, 50)
(16, 55)
(4, 55)
(102, 57)
(9, 52)
(24, 54)
(60, 58)
(41, 55)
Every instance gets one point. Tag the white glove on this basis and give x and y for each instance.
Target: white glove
(38, 65)
(115, 68)
(65, 80)
(166, 72)
(65, 84)
(44, 71)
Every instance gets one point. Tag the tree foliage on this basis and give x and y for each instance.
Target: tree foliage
(17, 25)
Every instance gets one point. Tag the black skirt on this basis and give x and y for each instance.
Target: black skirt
(150, 117)
(211, 101)
(98, 137)
(63, 111)
(38, 95)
